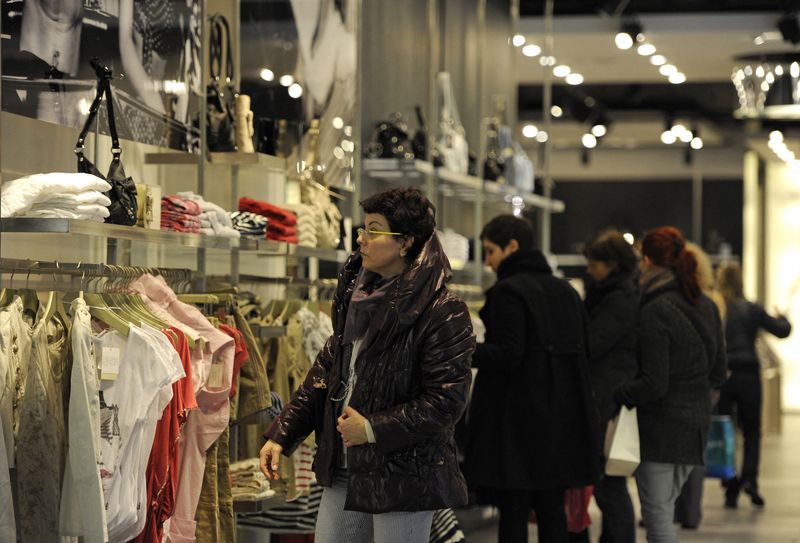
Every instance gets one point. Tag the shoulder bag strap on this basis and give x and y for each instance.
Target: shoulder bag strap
(225, 29)
(214, 48)
(104, 75)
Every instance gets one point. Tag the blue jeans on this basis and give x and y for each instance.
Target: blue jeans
(659, 486)
(335, 525)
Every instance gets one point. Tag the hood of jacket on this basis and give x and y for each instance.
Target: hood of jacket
(413, 291)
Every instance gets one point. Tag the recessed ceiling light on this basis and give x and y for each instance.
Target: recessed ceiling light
(518, 40)
(561, 71)
(267, 74)
(686, 136)
(646, 49)
(295, 90)
(696, 143)
(658, 60)
(531, 50)
(599, 130)
(574, 79)
(678, 129)
(776, 135)
(556, 111)
(668, 137)
(589, 141)
(623, 40)
(542, 136)
(677, 78)
(668, 70)
(530, 131)
(286, 80)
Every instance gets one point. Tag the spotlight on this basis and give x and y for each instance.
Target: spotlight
(776, 135)
(599, 130)
(623, 40)
(696, 143)
(556, 111)
(295, 90)
(531, 50)
(646, 49)
(668, 137)
(542, 136)
(561, 71)
(530, 131)
(267, 74)
(574, 79)
(286, 80)
(630, 33)
(627, 236)
(677, 78)
(668, 70)
(589, 141)
(686, 137)
(678, 129)
(658, 60)
(518, 40)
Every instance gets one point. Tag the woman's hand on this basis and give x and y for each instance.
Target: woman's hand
(270, 458)
(352, 426)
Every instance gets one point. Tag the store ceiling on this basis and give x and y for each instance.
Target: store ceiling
(701, 38)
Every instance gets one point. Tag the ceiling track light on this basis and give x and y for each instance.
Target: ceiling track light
(766, 86)
(629, 34)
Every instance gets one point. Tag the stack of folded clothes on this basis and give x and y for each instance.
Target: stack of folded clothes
(56, 195)
(282, 222)
(248, 483)
(307, 218)
(249, 224)
(214, 221)
(180, 215)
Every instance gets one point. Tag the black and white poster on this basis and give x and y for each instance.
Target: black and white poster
(152, 46)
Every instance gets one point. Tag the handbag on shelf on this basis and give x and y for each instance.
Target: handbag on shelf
(123, 208)
(390, 139)
(622, 444)
(220, 95)
(452, 144)
(721, 448)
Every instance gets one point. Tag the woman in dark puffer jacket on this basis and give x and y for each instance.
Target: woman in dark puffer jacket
(385, 393)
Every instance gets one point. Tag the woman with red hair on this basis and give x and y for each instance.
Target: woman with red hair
(681, 361)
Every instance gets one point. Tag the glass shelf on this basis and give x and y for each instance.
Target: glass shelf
(230, 159)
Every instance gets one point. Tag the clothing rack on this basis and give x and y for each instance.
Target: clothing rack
(86, 275)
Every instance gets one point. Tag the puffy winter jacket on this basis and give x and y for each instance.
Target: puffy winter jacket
(413, 372)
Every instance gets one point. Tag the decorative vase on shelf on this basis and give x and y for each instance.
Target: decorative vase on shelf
(244, 124)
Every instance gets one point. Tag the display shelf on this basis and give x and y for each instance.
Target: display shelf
(230, 159)
(395, 168)
(103, 230)
(328, 255)
(263, 246)
(256, 506)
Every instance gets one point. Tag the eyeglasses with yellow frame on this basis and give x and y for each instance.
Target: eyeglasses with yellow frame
(372, 234)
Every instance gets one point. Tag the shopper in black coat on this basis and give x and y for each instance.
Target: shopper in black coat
(681, 361)
(612, 302)
(533, 425)
(744, 320)
(385, 393)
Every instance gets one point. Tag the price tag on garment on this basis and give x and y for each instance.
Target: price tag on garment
(215, 376)
(109, 363)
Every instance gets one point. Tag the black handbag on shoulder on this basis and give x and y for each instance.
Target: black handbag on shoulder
(123, 206)
(220, 133)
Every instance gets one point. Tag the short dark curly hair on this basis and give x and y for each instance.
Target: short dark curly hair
(408, 212)
(503, 228)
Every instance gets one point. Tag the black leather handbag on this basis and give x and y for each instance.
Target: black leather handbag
(123, 206)
(220, 133)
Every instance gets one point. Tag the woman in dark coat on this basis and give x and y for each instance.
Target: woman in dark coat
(533, 425)
(612, 302)
(681, 360)
(743, 388)
(385, 393)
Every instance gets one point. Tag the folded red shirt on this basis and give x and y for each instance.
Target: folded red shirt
(265, 209)
(281, 230)
(287, 239)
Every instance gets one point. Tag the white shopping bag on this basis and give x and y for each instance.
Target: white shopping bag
(622, 444)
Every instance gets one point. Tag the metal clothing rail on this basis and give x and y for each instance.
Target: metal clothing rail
(88, 272)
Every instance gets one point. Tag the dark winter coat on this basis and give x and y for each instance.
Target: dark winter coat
(743, 321)
(413, 372)
(681, 359)
(532, 421)
(613, 308)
